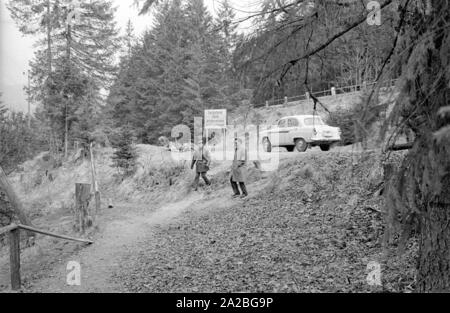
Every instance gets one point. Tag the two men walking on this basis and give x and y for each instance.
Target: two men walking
(238, 177)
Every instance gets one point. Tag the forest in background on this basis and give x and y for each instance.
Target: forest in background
(191, 60)
(188, 61)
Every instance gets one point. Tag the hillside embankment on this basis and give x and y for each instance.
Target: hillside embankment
(314, 224)
(345, 101)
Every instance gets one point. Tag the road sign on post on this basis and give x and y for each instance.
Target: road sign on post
(216, 119)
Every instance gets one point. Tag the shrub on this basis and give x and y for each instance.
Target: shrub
(125, 155)
(360, 122)
(18, 142)
(345, 120)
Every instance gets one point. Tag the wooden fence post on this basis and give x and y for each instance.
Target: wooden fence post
(82, 197)
(13, 232)
(14, 258)
(94, 183)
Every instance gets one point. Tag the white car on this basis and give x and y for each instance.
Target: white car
(299, 132)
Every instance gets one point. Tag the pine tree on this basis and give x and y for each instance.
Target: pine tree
(226, 27)
(423, 182)
(129, 39)
(209, 83)
(124, 156)
(170, 60)
(147, 92)
(178, 69)
(75, 59)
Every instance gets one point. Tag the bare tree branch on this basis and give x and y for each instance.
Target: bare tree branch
(287, 66)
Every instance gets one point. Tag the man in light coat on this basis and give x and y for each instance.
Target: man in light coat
(202, 159)
(239, 170)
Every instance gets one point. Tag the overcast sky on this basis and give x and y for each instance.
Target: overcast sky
(17, 50)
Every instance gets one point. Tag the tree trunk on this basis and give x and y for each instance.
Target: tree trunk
(434, 255)
(14, 258)
(49, 39)
(66, 133)
(428, 162)
(82, 198)
(66, 117)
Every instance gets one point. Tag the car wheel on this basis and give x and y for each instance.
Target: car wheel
(267, 146)
(301, 145)
(290, 148)
(324, 147)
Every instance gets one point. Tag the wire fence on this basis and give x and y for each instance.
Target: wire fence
(330, 92)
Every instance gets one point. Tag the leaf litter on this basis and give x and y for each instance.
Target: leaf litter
(312, 226)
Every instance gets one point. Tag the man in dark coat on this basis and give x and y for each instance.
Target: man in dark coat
(202, 159)
(239, 170)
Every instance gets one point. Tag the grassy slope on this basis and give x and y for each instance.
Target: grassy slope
(50, 204)
(156, 174)
(306, 227)
(309, 229)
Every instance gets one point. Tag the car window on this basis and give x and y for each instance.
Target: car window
(293, 122)
(310, 122)
(282, 123)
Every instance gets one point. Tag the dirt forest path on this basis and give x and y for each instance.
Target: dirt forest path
(122, 235)
(122, 230)
(99, 260)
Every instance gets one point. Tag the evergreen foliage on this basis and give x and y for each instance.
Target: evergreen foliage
(179, 68)
(73, 61)
(124, 157)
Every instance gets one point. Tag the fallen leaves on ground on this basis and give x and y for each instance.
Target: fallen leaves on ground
(314, 228)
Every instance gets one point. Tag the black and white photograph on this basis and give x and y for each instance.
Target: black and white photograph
(224, 152)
